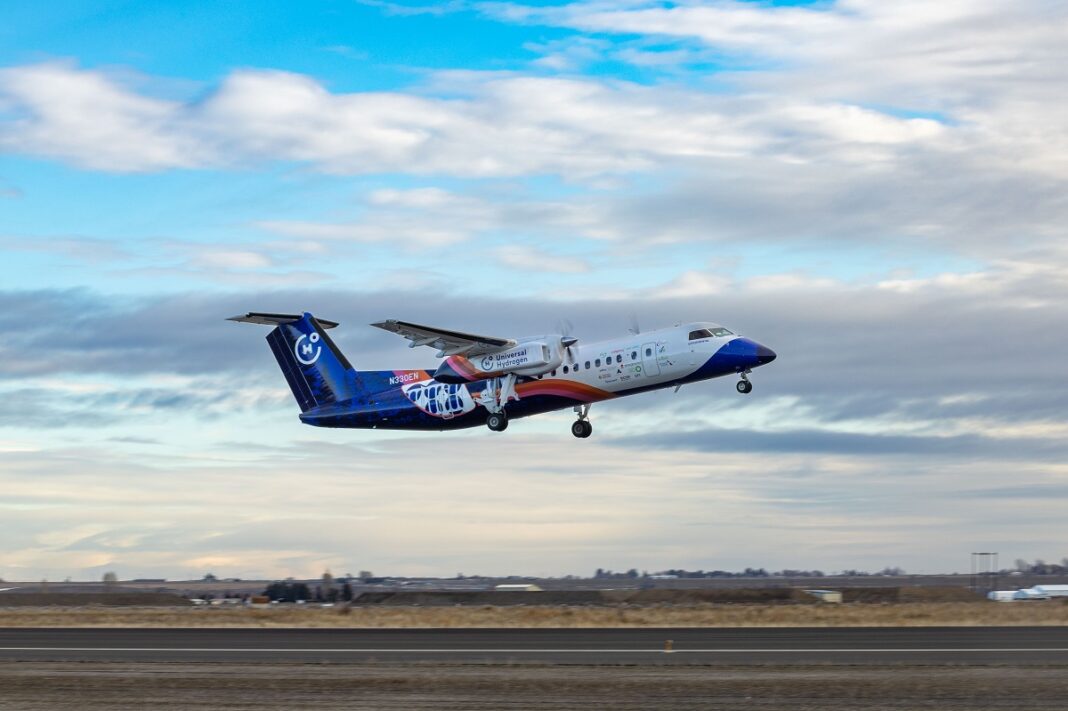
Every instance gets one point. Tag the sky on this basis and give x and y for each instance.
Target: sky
(878, 191)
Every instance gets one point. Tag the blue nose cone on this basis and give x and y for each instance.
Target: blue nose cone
(763, 354)
(750, 353)
(740, 354)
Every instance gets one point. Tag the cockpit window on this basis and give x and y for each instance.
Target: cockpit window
(709, 333)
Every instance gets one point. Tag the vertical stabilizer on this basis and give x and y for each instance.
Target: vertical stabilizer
(317, 371)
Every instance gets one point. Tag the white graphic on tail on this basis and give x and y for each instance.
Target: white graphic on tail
(303, 350)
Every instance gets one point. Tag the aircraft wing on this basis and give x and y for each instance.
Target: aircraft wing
(447, 342)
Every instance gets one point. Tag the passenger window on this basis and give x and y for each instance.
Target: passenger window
(619, 358)
(597, 362)
(565, 370)
(554, 373)
(648, 352)
(587, 365)
(634, 355)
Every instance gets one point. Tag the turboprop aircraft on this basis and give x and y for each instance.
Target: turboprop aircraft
(485, 380)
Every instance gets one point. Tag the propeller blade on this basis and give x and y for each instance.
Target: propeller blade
(634, 328)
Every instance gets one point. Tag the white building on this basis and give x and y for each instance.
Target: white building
(826, 595)
(1002, 595)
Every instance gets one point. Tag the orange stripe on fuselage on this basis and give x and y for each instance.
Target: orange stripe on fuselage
(563, 388)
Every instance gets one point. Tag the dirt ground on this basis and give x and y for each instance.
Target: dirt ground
(100, 687)
(1052, 612)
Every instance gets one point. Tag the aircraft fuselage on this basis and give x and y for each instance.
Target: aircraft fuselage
(590, 373)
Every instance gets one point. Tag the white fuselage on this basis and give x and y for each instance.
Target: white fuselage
(645, 359)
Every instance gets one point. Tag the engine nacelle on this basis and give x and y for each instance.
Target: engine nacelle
(530, 358)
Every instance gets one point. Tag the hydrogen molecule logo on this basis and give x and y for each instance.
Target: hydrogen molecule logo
(307, 349)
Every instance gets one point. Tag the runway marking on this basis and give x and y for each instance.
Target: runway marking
(659, 650)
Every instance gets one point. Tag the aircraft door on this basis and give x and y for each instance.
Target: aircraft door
(649, 365)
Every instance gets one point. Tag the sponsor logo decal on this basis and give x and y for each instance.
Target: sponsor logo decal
(515, 358)
(306, 349)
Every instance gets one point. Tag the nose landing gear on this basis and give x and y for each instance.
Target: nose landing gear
(744, 386)
(581, 427)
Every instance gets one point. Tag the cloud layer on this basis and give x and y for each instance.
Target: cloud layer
(877, 191)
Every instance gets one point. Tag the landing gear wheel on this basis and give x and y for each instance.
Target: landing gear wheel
(581, 428)
(497, 421)
(744, 386)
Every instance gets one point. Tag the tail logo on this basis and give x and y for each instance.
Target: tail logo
(306, 350)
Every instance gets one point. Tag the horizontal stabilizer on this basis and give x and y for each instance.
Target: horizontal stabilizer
(264, 319)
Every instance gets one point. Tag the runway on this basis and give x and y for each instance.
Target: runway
(1018, 646)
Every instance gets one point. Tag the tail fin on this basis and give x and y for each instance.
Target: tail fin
(316, 370)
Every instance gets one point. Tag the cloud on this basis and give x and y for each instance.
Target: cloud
(934, 356)
(231, 259)
(767, 162)
(405, 10)
(762, 136)
(536, 260)
(497, 126)
(64, 113)
(996, 68)
(91, 250)
(875, 391)
(421, 218)
(649, 508)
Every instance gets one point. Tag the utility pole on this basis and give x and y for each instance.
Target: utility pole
(984, 571)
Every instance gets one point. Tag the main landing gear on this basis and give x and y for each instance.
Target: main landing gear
(497, 421)
(581, 427)
(744, 386)
(501, 390)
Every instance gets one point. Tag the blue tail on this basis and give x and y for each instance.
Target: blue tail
(318, 373)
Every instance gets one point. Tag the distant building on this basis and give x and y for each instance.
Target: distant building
(826, 595)
(514, 587)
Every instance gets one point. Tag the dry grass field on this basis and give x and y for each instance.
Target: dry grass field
(416, 687)
(700, 615)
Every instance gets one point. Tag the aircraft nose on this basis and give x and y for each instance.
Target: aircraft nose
(763, 354)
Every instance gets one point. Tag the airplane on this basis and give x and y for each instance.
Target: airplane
(486, 380)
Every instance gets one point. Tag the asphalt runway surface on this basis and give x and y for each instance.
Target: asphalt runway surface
(1017, 646)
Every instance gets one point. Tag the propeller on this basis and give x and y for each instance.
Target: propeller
(634, 328)
(564, 327)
